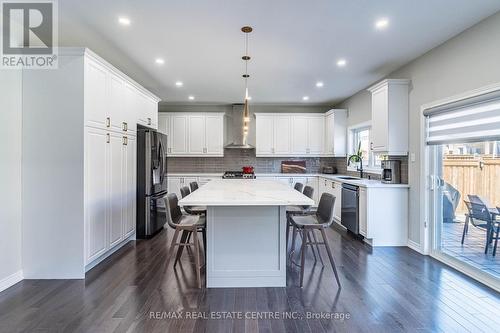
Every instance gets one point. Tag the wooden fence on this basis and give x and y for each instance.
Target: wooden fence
(473, 175)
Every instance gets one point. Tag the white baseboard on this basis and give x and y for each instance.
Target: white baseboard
(11, 280)
(415, 246)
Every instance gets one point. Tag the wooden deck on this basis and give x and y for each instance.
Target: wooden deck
(472, 251)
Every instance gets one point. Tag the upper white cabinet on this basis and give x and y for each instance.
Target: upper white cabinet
(390, 117)
(336, 133)
(193, 134)
(112, 100)
(289, 134)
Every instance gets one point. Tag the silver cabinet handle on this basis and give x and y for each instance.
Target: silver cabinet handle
(108, 122)
(272, 150)
(333, 185)
(149, 121)
(371, 145)
(107, 138)
(125, 141)
(169, 150)
(204, 150)
(124, 126)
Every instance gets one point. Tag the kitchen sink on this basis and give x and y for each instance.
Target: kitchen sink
(348, 178)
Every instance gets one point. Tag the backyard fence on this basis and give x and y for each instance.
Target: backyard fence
(478, 175)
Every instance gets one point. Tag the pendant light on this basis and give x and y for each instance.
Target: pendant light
(246, 112)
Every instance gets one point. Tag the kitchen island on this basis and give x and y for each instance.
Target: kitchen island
(246, 224)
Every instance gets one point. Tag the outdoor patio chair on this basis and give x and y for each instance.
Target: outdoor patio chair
(481, 217)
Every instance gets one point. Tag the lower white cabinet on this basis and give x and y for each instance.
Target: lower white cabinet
(110, 182)
(383, 215)
(334, 188)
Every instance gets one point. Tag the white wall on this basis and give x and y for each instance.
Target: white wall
(10, 175)
(468, 61)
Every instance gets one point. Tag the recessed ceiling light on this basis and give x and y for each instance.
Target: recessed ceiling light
(319, 84)
(124, 20)
(305, 98)
(382, 23)
(341, 62)
(160, 61)
(179, 83)
(191, 98)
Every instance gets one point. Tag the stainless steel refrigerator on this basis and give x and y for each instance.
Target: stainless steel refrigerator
(151, 181)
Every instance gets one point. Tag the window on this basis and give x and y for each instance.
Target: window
(359, 136)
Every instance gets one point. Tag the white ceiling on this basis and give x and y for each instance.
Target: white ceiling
(294, 44)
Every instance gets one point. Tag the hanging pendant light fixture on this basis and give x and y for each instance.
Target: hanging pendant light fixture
(246, 112)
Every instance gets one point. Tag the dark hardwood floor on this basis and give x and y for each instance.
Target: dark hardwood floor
(384, 290)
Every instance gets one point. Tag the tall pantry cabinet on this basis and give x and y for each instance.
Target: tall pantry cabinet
(79, 163)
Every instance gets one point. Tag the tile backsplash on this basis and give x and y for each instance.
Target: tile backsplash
(234, 159)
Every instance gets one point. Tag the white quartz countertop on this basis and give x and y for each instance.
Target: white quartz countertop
(336, 177)
(245, 192)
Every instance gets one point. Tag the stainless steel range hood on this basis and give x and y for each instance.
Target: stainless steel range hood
(235, 131)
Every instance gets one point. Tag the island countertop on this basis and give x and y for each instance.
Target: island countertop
(243, 192)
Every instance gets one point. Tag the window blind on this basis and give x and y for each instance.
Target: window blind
(471, 120)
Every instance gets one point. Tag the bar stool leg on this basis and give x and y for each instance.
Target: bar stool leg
(185, 235)
(317, 247)
(294, 235)
(332, 262)
(197, 257)
(303, 256)
(309, 240)
(172, 245)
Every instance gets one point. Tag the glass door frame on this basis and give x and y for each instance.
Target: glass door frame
(434, 213)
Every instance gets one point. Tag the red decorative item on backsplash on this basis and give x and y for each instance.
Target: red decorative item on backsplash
(247, 169)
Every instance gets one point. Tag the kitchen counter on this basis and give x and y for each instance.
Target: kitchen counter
(246, 224)
(245, 192)
(361, 182)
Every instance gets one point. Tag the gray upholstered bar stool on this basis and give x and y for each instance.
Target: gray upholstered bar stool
(298, 187)
(187, 224)
(194, 210)
(193, 186)
(308, 223)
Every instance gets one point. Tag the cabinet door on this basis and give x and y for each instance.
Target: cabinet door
(214, 135)
(164, 126)
(117, 174)
(179, 134)
(380, 119)
(282, 134)
(286, 180)
(329, 134)
(299, 135)
(315, 135)
(314, 183)
(116, 102)
(363, 209)
(337, 192)
(96, 152)
(264, 135)
(130, 188)
(96, 112)
(132, 108)
(196, 135)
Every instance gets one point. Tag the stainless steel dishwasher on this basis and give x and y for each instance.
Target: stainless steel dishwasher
(350, 207)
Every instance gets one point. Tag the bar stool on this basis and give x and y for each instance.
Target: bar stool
(187, 224)
(193, 210)
(310, 222)
(194, 186)
(298, 187)
(297, 210)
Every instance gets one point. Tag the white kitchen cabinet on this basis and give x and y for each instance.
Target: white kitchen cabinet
(113, 101)
(94, 183)
(389, 132)
(336, 133)
(196, 134)
(282, 135)
(179, 135)
(193, 134)
(96, 193)
(264, 135)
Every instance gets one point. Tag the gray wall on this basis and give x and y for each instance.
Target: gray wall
(10, 172)
(468, 61)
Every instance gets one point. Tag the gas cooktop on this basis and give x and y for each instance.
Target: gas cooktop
(238, 175)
